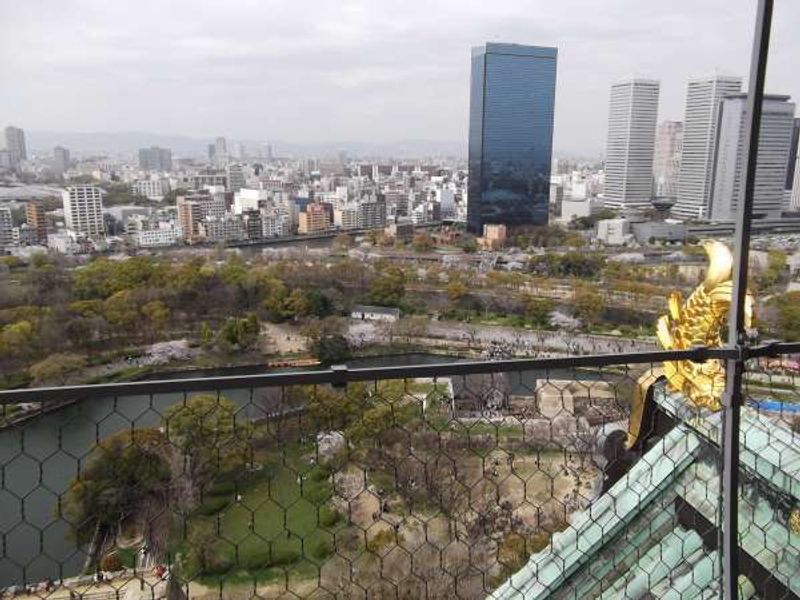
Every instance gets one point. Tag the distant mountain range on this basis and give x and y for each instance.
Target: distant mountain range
(128, 142)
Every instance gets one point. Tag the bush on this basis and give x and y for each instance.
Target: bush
(329, 517)
(383, 539)
(212, 505)
(220, 565)
(111, 562)
(264, 559)
(320, 473)
(538, 541)
(284, 556)
(258, 560)
(512, 552)
(316, 493)
(321, 549)
(222, 488)
(331, 349)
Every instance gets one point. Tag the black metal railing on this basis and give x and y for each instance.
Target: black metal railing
(458, 479)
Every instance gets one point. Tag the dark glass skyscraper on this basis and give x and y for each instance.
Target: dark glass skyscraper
(512, 98)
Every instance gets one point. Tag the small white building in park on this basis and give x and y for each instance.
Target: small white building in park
(374, 313)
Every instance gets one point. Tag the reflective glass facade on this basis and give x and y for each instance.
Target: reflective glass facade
(512, 99)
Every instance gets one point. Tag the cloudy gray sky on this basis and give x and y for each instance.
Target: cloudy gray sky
(364, 70)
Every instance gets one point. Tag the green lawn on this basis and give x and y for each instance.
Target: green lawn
(281, 521)
(279, 518)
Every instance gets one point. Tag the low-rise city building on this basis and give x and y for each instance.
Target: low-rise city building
(229, 228)
(401, 231)
(314, 219)
(649, 232)
(192, 208)
(371, 215)
(574, 208)
(65, 241)
(614, 232)
(166, 235)
(154, 188)
(494, 236)
(24, 235)
(35, 217)
(374, 313)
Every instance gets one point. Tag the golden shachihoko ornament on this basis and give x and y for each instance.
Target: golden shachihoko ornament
(697, 321)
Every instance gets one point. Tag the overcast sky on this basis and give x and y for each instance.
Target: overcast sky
(364, 70)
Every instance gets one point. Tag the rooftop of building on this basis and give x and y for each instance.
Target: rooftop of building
(515, 50)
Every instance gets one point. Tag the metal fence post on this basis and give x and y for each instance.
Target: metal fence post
(736, 332)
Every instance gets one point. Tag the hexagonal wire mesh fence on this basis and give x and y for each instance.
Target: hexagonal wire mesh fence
(514, 478)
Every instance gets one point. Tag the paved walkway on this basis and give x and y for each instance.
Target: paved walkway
(144, 585)
(521, 341)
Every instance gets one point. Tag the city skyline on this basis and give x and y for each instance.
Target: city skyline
(404, 79)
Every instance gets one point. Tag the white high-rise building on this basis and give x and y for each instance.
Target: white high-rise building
(777, 123)
(667, 159)
(703, 96)
(6, 228)
(15, 144)
(794, 202)
(633, 110)
(83, 209)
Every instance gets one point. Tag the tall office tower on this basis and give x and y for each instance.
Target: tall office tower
(212, 153)
(703, 96)
(61, 159)
(794, 201)
(35, 217)
(145, 159)
(667, 158)
(155, 159)
(6, 228)
(512, 100)
(165, 156)
(774, 141)
(15, 144)
(632, 114)
(221, 149)
(793, 150)
(83, 209)
(236, 177)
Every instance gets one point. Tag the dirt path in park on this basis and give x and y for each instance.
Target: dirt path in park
(282, 339)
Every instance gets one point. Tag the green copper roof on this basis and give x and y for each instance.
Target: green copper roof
(629, 542)
(573, 548)
(656, 564)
